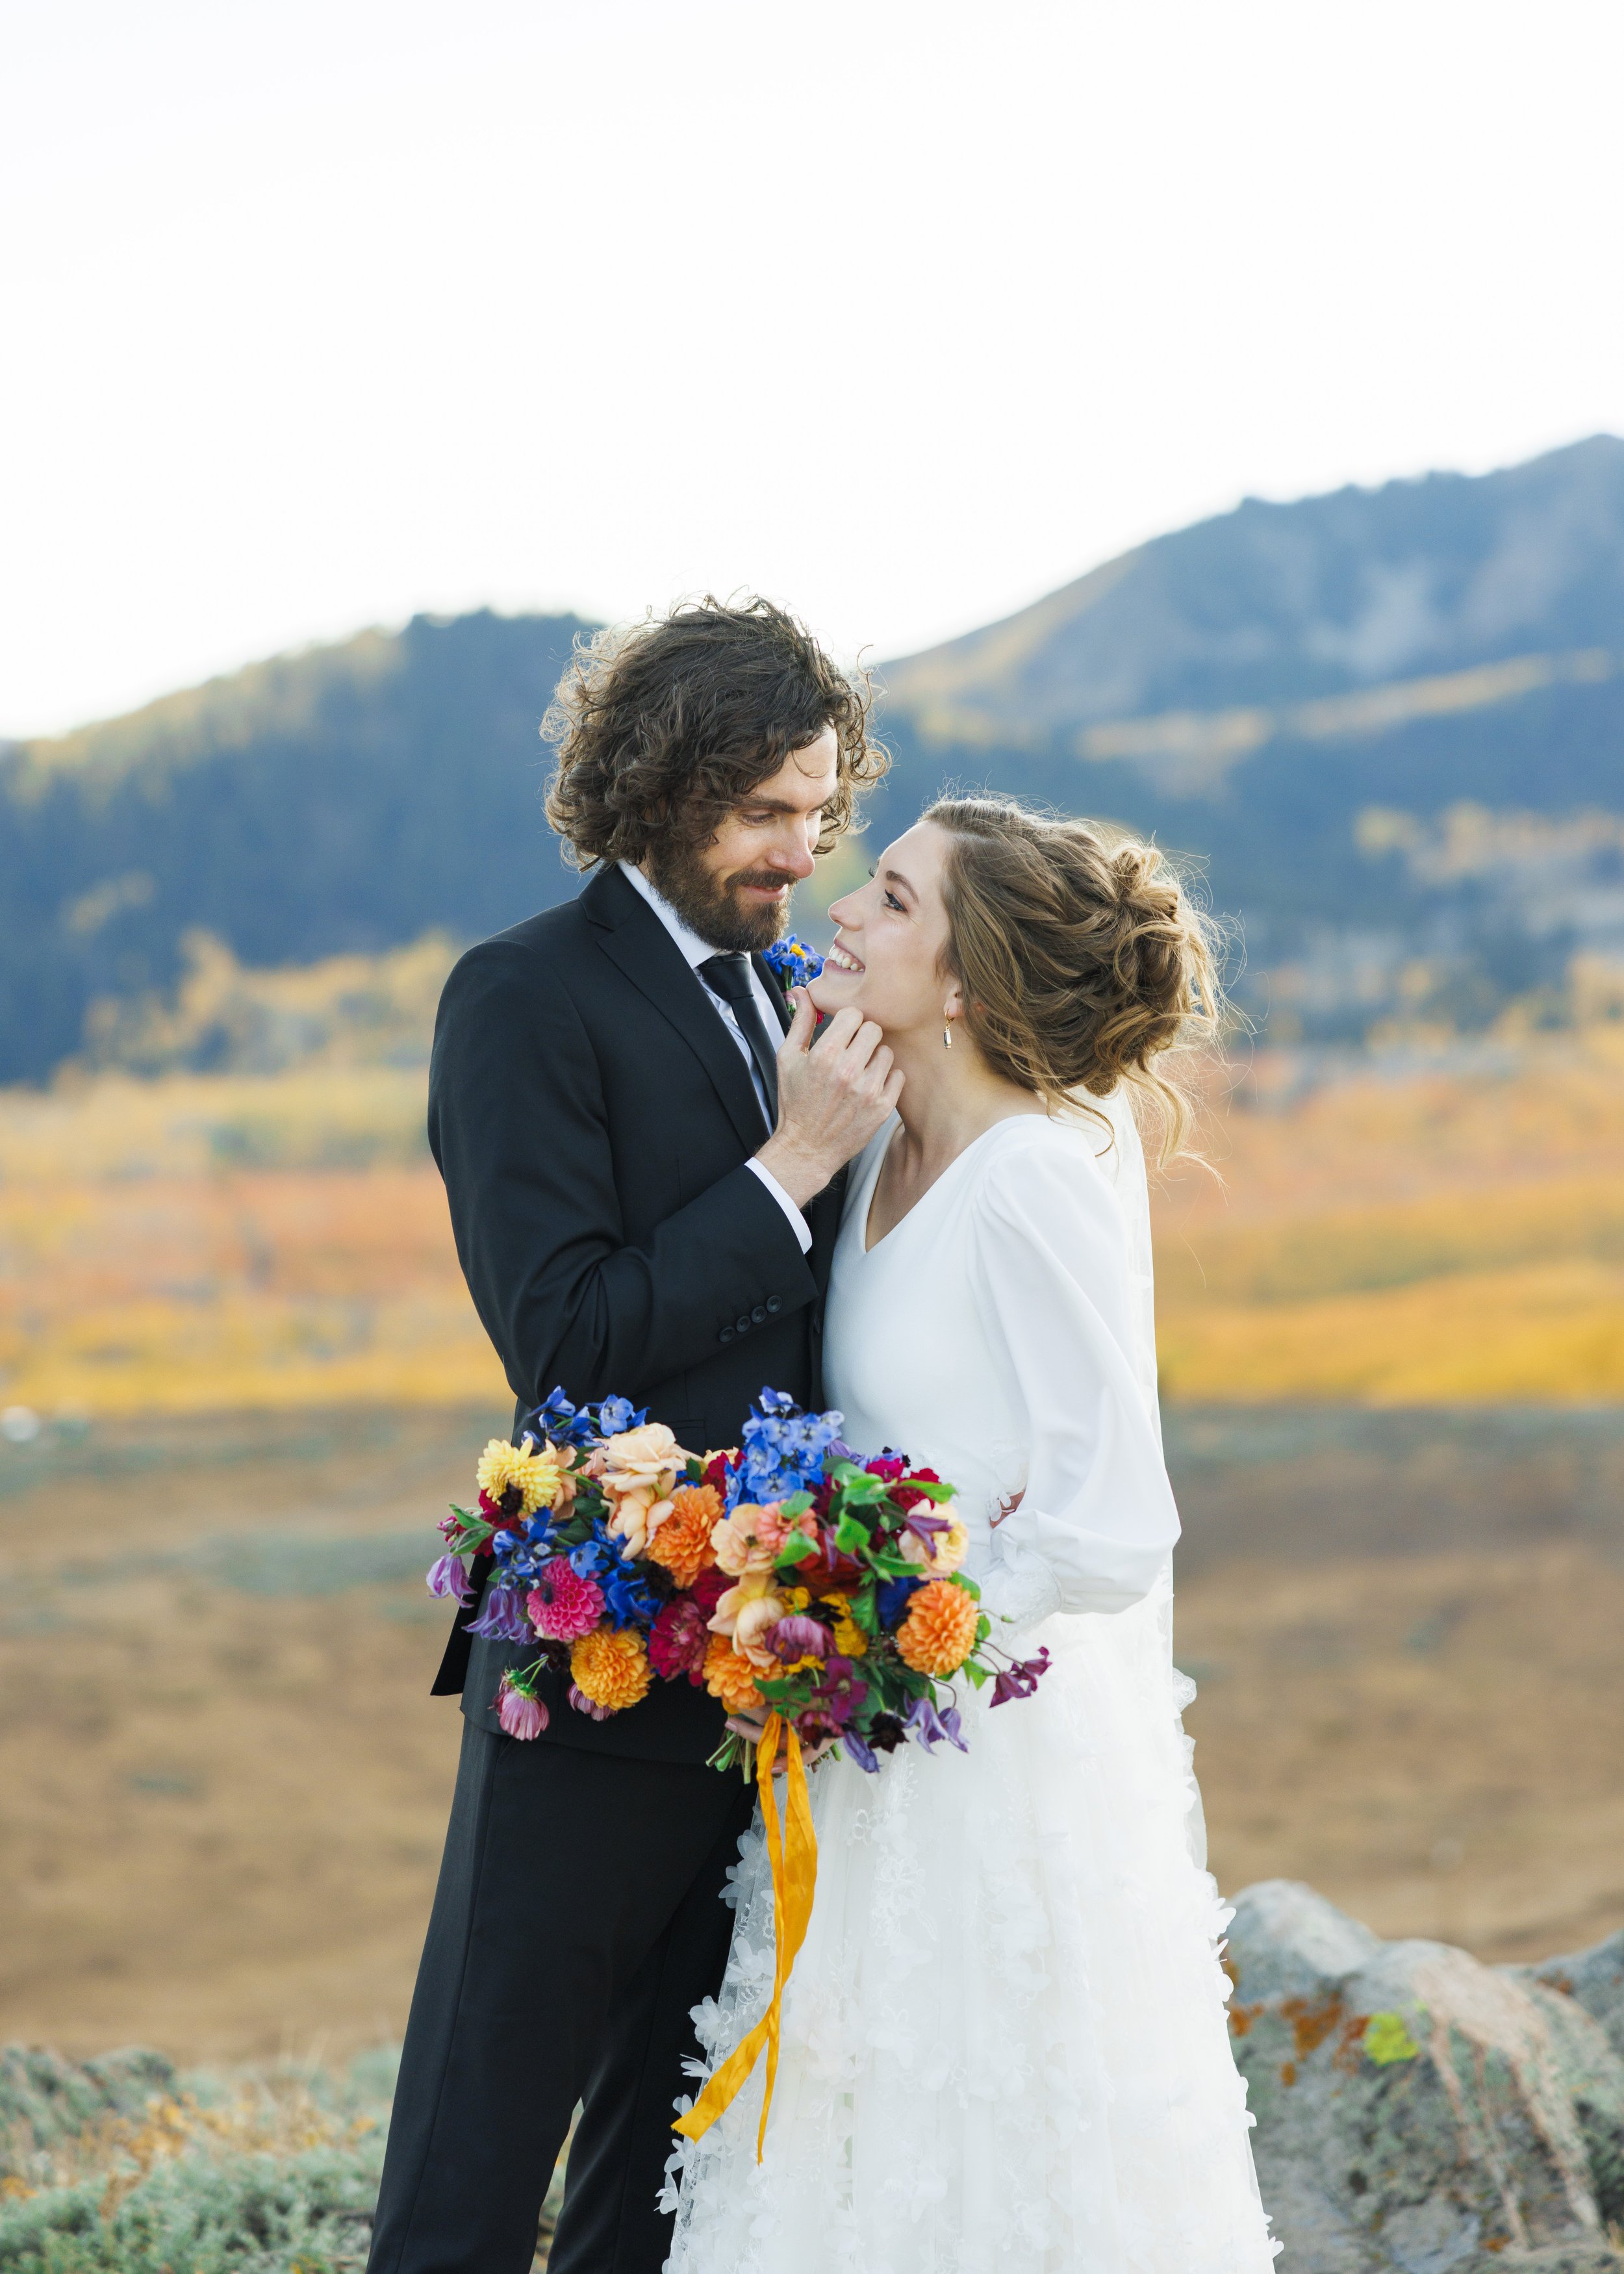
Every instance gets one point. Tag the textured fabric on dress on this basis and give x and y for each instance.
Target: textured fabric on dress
(1005, 2048)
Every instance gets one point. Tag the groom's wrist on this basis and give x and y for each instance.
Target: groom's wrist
(797, 1171)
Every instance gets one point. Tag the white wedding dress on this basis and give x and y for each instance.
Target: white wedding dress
(1004, 2048)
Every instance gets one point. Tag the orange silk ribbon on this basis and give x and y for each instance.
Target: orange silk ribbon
(793, 1853)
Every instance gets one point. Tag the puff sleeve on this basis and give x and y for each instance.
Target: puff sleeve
(1054, 1269)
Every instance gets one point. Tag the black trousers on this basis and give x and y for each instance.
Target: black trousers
(576, 1922)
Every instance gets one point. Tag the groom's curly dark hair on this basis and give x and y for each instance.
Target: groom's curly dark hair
(663, 726)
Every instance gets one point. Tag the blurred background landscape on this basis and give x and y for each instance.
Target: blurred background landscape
(241, 1377)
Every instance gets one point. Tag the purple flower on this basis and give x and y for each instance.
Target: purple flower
(839, 1693)
(798, 1637)
(502, 1619)
(1019, 1678)
(448, 1577)
(929, 1726)
(860, 1752)
(582, 1704)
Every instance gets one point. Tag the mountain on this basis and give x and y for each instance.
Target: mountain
(344, 800)
(1389, 723)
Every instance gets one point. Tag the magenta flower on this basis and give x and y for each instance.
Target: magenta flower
(677, 1640)
(837, 1698)
(582, 1704)
(448, 1577)
(519, 1714)
(564, 1606)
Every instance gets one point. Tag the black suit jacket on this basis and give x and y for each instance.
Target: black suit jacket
(592, 1117)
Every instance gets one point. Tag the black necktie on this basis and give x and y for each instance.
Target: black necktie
(729, 977)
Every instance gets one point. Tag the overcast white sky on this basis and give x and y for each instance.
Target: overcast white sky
(320, 311)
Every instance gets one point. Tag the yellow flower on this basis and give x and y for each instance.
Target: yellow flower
(530, 1470)
(611, 1666)
(850, 1640)
(938, 1633)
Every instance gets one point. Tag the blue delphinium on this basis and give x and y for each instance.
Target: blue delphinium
(783, 1451)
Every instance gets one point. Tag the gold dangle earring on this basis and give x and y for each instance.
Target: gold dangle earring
(947, 1034)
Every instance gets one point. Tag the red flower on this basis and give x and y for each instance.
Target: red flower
(709, 1589)
(890, 1466)
(678, 1640)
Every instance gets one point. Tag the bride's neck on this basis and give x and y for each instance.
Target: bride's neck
(950, 1096)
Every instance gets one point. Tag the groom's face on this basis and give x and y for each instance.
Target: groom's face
(734, 890)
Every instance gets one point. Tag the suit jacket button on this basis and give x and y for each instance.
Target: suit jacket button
(759, 1312)
(725, 1335)
(773, 1305)
(741, 1324)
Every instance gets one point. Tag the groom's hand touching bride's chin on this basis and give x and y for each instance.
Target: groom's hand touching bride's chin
(833, 1094)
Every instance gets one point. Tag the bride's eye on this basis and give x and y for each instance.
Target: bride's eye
(891, 901)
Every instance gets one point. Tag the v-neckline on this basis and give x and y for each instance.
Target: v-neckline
(865, 1204)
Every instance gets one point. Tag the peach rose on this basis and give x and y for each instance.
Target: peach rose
(945, 1553)
(749, 1539)
(752, 1626)
(754, 1587)
(639, 1469)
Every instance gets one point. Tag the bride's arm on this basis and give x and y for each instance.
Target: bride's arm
(1097, 1518)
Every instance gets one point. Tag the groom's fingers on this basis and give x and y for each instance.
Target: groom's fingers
(802, 1026)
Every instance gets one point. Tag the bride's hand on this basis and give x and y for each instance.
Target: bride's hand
(1007, 1502)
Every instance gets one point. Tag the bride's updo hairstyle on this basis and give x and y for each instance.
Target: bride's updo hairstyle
(1081, 958)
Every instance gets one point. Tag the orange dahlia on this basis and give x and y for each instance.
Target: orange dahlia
(611, 1666)
(938, 1633)
(729, 1676)
(682, 1543)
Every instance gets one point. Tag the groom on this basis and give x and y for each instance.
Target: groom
(640, 1161)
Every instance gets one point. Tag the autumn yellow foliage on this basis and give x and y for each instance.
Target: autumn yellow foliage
(195, 1244)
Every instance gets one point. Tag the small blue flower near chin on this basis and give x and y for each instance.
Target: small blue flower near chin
(617, 1414)
(556, 1418)
(792, 961)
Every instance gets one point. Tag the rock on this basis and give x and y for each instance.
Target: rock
(1419, 2112)
(1593, 1978)
(45, 2099)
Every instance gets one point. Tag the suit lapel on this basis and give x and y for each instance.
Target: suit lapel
(634, 938)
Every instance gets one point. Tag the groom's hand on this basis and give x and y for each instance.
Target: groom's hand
(833, 1094)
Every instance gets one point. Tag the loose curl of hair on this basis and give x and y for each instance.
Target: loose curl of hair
(1081, 956)
(663, 726)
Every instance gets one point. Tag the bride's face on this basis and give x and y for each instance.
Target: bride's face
(888, 959)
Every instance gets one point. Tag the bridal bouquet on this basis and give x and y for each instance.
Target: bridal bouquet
(818, 1594)
(795, 1580)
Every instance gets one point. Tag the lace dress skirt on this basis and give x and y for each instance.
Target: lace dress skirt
(1005, 2045)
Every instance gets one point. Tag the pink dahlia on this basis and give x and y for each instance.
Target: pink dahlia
(562, 1605)
(519, 1714)
(679, 1640)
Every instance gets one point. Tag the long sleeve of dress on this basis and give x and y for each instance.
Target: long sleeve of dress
(1052, 1260)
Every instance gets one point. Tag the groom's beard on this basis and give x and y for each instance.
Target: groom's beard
(713, 909)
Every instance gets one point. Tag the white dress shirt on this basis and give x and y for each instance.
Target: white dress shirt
(697, 951)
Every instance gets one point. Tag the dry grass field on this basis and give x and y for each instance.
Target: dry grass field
(223, 1786)
(231, 1318)
(195, 1244)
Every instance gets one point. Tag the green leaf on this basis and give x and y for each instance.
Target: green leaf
(797, 1504)
(980, 1675)
(850, 1535)
(796, 1551)
(866, 1613)
(983, 1627)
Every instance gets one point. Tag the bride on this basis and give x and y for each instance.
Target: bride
(1004, 2045)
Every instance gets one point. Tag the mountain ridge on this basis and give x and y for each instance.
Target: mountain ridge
(1253, 689)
